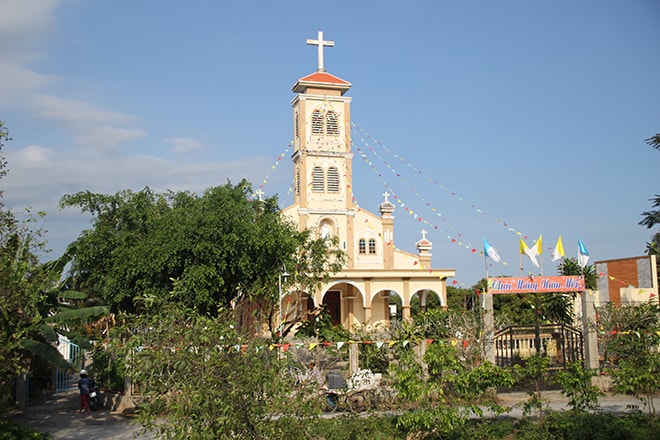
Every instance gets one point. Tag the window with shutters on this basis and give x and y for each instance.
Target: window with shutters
(362, 246)
(295, 124)
(333, 180)
(372, 246)
(332, 123)
(298, 181)
(318, 180)
(317, 122)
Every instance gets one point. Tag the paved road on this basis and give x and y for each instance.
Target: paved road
(62, 420)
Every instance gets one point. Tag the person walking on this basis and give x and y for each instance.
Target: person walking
(84, 385)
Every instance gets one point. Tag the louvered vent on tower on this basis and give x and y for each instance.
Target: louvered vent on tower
(318, 184)
(333, 180)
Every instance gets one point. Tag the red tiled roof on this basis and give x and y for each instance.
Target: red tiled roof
(324, 77)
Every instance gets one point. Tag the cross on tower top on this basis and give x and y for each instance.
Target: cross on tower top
(320, 43)
(260, 194)
(423, 231)
(386, 195)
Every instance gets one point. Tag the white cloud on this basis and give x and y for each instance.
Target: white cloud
(35, 155)
(39, 177)
(22, 24)
(18, 83)
(184, 145)
(96, 128)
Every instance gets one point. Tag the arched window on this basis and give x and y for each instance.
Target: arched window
(372, 246)
(318, 180)
(362, 246)
(332, 123)
(333, 180)
(317, 122)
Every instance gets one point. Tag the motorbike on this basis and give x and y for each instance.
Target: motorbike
(94, 402)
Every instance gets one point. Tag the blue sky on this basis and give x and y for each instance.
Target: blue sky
(486, 119)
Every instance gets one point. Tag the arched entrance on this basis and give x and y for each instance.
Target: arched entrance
(345, 304)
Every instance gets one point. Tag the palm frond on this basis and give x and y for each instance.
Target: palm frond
(78, 314)
(48, 353)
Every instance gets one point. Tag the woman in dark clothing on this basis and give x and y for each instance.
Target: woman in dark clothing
(84, 385)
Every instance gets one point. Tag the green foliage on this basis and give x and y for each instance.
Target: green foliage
(534, 372)
(445, 390)
(432, 323)
(204, 252)
(10, 430)
(201, 380)
(601, 426)
(462, 299)
(575, 383)
(109, 371)
(516, 308)
(631, 335)
(320, 327)
(31, 313)
(372, 427)
(434, 422)
(372, 357)
(558, 426)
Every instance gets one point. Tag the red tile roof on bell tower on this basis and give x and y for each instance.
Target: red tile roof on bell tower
(322, 80)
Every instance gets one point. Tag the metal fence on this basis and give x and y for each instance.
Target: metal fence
(561, 343)
(66, 381)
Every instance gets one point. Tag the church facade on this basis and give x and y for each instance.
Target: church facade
(376, 270)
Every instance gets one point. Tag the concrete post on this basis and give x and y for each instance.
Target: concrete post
(589, 332)
(353, 360)
(488, 324)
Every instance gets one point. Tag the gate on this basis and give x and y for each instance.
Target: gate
(66, 381)
(561, 343)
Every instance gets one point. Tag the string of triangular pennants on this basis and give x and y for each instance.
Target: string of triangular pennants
(359, 131)
(264, 181)
(283, 347)
(458, 238)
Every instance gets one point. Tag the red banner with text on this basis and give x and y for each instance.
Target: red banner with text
(536, 284)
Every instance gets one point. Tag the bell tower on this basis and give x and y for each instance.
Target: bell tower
(322, 157)
(322, 139)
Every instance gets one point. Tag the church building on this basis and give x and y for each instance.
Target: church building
(323, 185)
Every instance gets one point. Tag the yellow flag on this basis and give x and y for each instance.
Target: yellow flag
(559, 250)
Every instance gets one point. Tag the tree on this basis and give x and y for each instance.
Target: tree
(445, 392)
(31, 313)
(654, 141)
(630, 335)
(206, 252)
(200, 379)
(652, 218)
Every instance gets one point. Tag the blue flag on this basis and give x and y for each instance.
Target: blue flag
(583, 254)
(491, 252)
